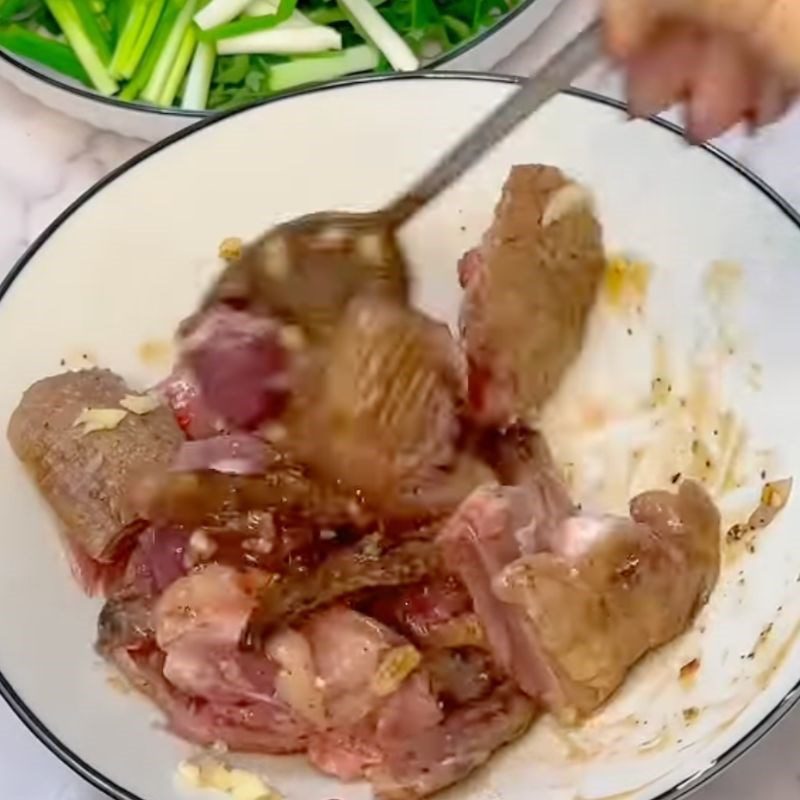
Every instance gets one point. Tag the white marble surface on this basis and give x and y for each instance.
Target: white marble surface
(47, 160)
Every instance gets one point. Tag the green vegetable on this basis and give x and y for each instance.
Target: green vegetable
(56, 55)
(198, 82)
(80, 26)
(218, 12)
(179, 66)
(251, 24)
(224, 53)
(169, 50)
(144, 71)
(139, 27)
(314, 69)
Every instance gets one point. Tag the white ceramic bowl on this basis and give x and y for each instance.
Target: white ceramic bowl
(151, 123)
(130, 259)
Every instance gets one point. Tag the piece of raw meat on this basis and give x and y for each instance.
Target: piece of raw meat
(86, 477)
(529, 288)
(570, 607)
(241, 365)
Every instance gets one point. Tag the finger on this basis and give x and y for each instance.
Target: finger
(628, 26)
(741, 17)
(723, 89)
(772, 101)
(776, 38)
(661, 76)
(630, 23)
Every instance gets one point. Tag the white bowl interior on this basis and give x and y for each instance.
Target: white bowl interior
(109, 283)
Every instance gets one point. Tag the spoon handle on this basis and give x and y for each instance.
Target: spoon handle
(558, 73)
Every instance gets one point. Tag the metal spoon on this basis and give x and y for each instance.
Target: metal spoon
(307, 269)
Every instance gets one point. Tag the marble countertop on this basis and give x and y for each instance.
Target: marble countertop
(47, 160)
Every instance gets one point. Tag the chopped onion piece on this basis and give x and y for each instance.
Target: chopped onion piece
(218, 12)
(382, 35)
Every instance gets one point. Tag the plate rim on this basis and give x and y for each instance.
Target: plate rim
(19, 707)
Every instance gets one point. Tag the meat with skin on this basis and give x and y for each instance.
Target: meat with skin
(520, 456)
(86, 477)
(434, 614)
(444, 754)
(309, 282)
(529, 289)
(266, 726)
(386, 403)
(209, 497)
(372, 563)
(630, 585)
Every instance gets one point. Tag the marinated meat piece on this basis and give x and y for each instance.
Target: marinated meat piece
(371, 563)
(386, 404)
(158, 560)
(461, 676)
(265, 726)
(308, 282)
(126, 621)
(690, 522)
(182, 393)
(349, 753)
(413, 708)
(86, 477)
(629, 585)
(240, 364)
(345, 754)
(529, 289)
(489, 531)
(210, 605)
(431, 760)
(348, 649)
(436, 613)
(209, 498)
(520, 456)
(235, 454)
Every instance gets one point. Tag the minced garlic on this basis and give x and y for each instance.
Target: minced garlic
(140, 404)
(99, 419)
(237, 783)
(395, 667)
(776, 493)
(230, 249)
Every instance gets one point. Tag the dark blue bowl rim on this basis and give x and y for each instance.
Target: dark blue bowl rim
(113, 790)
(53, 79)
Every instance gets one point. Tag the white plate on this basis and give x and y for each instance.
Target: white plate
(152, 123)
(129, 260)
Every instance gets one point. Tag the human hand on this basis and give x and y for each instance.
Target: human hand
(728, 60)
